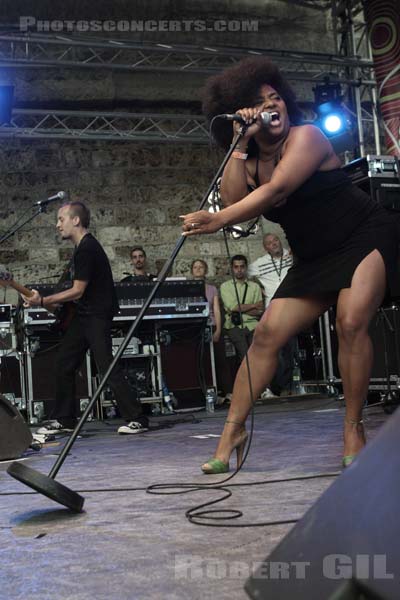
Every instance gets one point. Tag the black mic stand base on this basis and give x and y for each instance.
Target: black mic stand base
(47, 486)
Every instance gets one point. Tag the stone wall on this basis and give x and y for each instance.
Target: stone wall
(136, 191)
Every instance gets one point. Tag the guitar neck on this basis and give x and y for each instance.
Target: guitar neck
(20, 288)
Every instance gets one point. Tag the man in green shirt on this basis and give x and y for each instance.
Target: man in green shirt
(251, 305)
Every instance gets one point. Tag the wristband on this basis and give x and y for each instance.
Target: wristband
(41, 301)
(240, 155)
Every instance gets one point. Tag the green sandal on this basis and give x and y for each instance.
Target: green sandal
(215, 465)
(349, 458)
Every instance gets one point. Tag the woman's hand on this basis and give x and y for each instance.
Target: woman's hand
(201, 222)
(251, 117)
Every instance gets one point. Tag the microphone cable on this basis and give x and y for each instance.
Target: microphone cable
(203, 514)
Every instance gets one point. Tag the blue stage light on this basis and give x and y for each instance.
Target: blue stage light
(331, 115)
(333, 123)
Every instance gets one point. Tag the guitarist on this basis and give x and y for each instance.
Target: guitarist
(96, 303)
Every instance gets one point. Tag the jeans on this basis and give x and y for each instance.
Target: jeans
(241, 339)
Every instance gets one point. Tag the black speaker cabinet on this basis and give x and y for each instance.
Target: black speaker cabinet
(385, 334)
(378, 176)
(384, 190)
(186, 361)
(40, 375)
(10, 376)
(384, 331)
(15, 436)
(349, 540)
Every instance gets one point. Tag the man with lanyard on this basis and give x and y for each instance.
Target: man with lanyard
(270, 270)
(251, 306)
(96, 303)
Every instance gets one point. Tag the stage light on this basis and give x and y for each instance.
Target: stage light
(6, 103)
(333, 123)
(331, 116)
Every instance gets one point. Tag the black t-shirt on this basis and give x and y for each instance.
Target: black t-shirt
(90, 263)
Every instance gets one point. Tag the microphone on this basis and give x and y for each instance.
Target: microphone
(58, 196)
(266, 118)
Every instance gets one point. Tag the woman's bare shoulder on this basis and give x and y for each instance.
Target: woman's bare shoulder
(312, 135)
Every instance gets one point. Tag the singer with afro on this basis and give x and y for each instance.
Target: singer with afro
(343, 242)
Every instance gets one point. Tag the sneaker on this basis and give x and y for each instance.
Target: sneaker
(132, 427)
(221, 400)
(52, 427)
(42, 438)
(267, 393)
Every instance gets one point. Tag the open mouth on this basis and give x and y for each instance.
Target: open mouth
(275, 118)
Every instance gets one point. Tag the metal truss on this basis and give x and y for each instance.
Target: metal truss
(321, 5)
(350, 66)
(36, 50)
(351, 35)
(87, 125)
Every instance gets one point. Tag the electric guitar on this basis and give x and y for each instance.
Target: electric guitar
(7, 280)
(63, 312)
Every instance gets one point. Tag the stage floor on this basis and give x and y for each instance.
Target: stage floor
(130, 545)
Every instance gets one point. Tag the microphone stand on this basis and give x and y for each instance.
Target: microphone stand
(41, 208)
(47, 485)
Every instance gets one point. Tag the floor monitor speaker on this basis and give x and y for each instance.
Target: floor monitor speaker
(348, 542)
(15, 435)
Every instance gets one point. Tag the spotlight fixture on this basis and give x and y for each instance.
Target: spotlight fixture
(331, 116)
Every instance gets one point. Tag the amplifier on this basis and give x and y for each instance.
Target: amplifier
(12, 379)
(384, 331)
(132, 348)
(8, 340)
(385, 335)
(379, 176)
(187, 360)
(6, 314)
(35, 315)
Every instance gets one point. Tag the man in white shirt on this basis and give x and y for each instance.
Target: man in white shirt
(270, 270)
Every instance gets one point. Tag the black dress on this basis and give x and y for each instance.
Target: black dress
(331, 225)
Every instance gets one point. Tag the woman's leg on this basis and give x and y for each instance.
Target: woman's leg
(284, 318)
(355, 308)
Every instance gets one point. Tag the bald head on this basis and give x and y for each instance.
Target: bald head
(272, 244)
